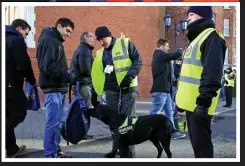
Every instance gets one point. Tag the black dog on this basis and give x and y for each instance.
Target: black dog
(156, 128)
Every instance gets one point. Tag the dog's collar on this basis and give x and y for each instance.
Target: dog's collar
(128, 125)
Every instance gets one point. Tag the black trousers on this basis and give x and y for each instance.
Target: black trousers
(200, 136)
(128, 108)
(228, 95)
(16, 110)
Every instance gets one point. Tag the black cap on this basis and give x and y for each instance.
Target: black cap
(203, 11)
(102, 32)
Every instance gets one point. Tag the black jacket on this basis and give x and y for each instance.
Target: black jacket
(177, 69)
(111, 81)
(161, 70)
(54, 76)
(212, 57)
(81, 63)
(18, 63)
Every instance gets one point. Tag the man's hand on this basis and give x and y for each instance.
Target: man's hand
(180, 50)
(226, 81)
(201, 113)
(126, 82)
(37, 83)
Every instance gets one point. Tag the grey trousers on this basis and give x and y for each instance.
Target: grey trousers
(85, 92)
(127, 107)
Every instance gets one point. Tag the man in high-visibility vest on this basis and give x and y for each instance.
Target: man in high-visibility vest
(229, 79)
(114, 73)
(200, 78)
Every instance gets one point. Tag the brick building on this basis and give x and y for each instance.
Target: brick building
(225, 21)
(144, 25)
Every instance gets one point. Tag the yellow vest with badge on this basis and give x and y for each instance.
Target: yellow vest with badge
(128, 125)
(191, 71)
(231, 82)
(121, 61)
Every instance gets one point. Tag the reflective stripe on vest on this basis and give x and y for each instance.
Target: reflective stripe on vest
(191, 70)
(121, 62)
(126, 126)
(231, 82)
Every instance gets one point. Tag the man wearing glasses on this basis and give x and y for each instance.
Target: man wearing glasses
(18, 67)
(81, 65)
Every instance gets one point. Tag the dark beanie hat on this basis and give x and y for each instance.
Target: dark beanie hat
(102, 32)
(203, 11)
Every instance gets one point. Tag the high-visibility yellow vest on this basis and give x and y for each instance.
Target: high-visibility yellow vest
(191, 70)
(231, 82)
(126, 126)
(121, 61)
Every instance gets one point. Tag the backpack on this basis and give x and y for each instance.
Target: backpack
(77, 123)
(33, 101)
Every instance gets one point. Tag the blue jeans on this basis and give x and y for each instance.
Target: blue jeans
(222, 91)
(162, 100)
(174, 90)
(55, 115)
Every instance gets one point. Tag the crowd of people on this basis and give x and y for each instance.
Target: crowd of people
(183, 80)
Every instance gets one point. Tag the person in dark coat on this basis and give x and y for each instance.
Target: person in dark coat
(115, 70)
(201, 86)
(18, 67)
(54, 79)
(177, 68)
(162, 79)
(81, 65)
(229, 79)
(222, 91)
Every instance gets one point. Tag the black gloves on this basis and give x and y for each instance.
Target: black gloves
(226, 81)
(125, 84)
(201, 113)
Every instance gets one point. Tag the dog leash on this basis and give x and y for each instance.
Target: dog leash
(120, 101)
(69, 93)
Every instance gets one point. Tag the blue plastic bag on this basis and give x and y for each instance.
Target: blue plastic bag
(33, 100)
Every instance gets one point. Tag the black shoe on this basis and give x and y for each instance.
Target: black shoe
(225, 105)
(131, 155)
(88, 137)
(22, 148)
(111, 154)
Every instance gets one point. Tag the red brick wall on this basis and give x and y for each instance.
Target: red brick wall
(141, 24)
(144, 25)
(179, 13)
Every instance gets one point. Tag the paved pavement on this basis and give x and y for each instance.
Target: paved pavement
(223, 137)
(31, 131)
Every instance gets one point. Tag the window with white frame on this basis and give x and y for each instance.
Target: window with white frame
(226, 7)
(226, 56)
(226, 27)
(6, 15)
(23, 12)
(234, 57)
(213, 18)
